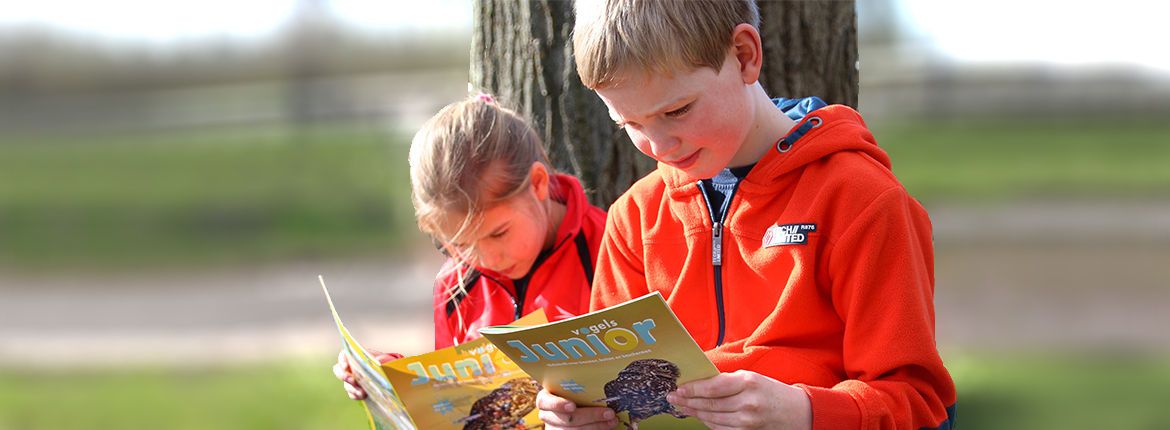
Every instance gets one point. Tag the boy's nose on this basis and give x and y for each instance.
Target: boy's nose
(661, 143)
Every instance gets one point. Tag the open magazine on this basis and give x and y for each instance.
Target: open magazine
(471, 386)
(626, 357)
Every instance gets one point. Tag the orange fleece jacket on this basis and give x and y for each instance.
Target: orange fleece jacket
(826, 278)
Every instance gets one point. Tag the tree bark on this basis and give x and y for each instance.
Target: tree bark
(810, 49)
(521, 51)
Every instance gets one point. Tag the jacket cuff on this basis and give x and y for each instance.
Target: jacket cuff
(832, 409)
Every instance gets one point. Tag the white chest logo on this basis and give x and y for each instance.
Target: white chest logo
(788, 234)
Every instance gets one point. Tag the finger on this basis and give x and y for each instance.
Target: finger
(354, 392)
(344, 359)
(387, 357)
(340, 373)
(712, 426)
(555, 418)
(581, 417)
(722, 404)
(547, 401)
(594, 426)
(721, 385)
(716, 420)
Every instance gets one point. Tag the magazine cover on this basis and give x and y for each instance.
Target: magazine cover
(384, 409)
(470, 386)
(626, 357)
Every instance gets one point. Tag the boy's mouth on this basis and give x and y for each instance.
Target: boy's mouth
(685, 162)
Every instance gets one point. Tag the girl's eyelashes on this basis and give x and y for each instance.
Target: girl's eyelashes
(499, 234)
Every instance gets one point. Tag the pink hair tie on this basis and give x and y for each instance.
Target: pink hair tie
(486, 98)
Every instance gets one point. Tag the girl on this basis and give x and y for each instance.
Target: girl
(518, 236)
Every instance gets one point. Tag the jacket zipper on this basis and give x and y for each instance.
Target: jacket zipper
(717, 253)
(521, 287)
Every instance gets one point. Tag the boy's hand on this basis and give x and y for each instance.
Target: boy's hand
(744, 400)
(343, 371)
(560, 413)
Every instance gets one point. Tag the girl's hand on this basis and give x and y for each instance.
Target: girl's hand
(343, 371)
(744, 400)
(560, 413)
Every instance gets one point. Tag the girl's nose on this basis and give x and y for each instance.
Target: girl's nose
(490, 259)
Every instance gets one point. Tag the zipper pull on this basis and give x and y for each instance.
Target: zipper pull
(717, 244)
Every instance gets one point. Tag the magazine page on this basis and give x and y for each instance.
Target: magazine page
(384, 408)
(467, 386)
(626, 357)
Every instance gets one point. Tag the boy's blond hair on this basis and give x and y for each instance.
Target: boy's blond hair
(454, 151)
(654, 36)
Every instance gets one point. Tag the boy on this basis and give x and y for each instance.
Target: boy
(774, 229)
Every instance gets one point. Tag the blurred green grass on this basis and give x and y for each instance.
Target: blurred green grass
(247, 196)
(1045, 391)
(995, 392)
(288, 396)
(1005, 160)
(198, 198)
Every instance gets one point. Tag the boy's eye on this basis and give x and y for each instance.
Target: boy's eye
(679, 112)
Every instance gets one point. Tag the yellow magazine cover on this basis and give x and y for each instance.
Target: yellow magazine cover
(626, 357)
(471, 386)
(384, 409)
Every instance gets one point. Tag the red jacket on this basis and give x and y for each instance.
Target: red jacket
(825, 279)
(558, 282)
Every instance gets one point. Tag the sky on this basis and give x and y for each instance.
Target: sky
(1065, 32)
(1062, 32)
(163, 21)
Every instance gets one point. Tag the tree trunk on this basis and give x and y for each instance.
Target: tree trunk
(521, 51)
(810, 49)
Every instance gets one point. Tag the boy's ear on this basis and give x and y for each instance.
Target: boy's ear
(748, 51)
(539, 177)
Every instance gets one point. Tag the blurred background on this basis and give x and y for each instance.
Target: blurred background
(174, 175)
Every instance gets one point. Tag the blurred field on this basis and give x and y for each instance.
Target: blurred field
(996, 392)
(290, 396)
(1050, 391)
(194, 198)
(180, 199)
(202, 201)
(166, 206)
(974, 161)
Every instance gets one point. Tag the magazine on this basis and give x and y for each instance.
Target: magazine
(384, 409)
(468, 386)
(626, 357)
(471, 386)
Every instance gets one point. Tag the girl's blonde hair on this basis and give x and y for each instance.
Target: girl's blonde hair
(453, 153)
(654, 36)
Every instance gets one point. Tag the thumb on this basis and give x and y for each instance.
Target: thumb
(384, 357)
